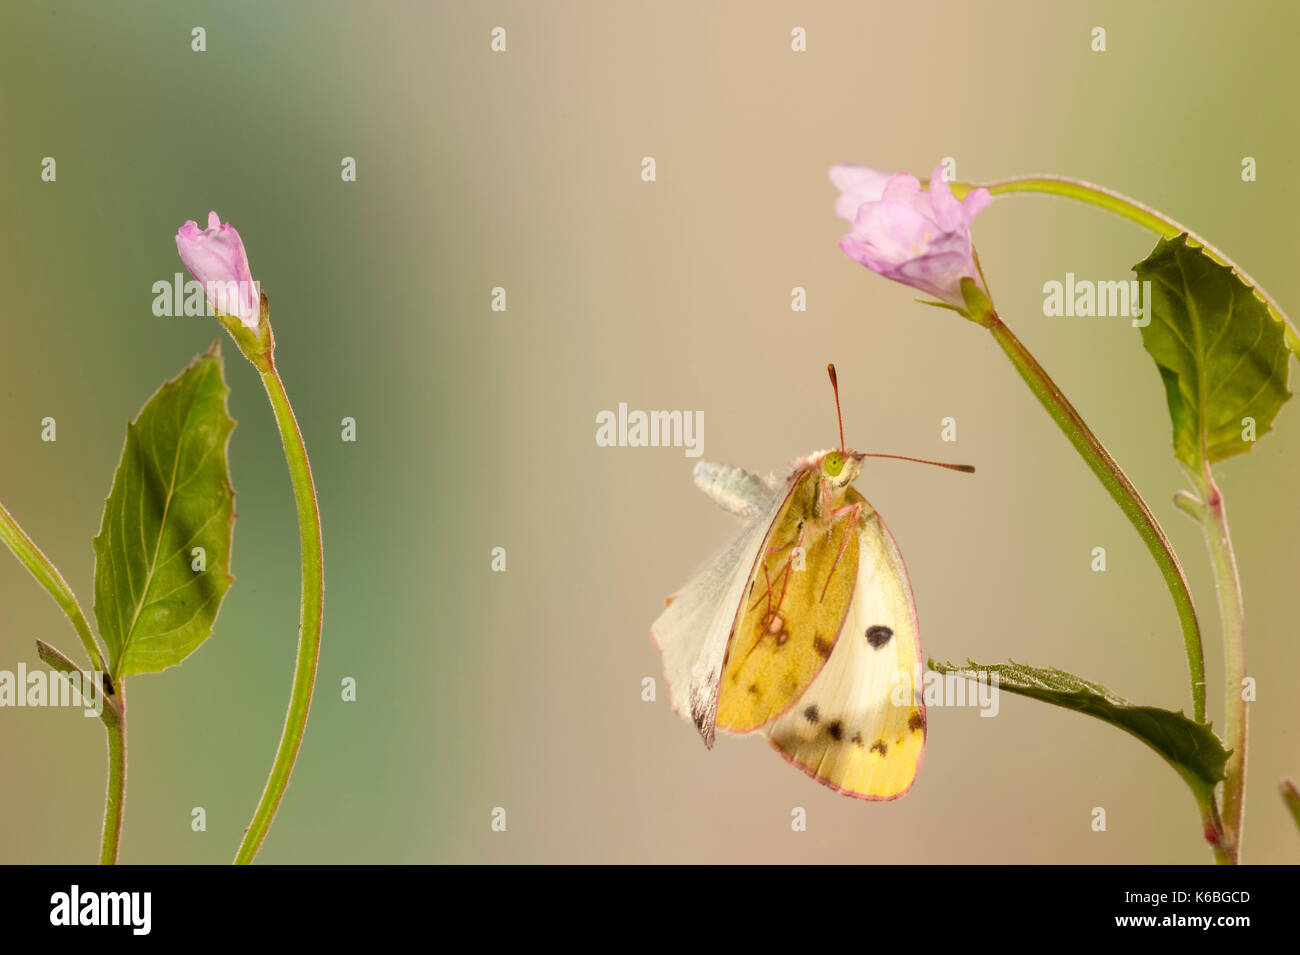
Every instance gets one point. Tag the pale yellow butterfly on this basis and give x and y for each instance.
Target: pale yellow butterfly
(803, 627)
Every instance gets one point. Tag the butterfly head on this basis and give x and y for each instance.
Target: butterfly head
(840, 468)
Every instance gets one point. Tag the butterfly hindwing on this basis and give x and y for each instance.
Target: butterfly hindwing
(860, 727)
(797, 600)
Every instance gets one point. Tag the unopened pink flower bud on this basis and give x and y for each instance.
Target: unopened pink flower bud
(215, 256)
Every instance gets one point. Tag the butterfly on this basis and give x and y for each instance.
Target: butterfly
(803, 627)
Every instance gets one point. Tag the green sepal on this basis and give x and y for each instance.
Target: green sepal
(257, 345)
(979, 308)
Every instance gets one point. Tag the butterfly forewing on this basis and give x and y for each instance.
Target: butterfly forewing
(797, 601)
(860, 727)
(695, 629)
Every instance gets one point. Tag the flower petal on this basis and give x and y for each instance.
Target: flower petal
(895, 230)
(976, 201)
(857, 184)
(904, 189)
(946, 210)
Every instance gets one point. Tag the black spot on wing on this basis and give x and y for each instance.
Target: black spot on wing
(879, 747)
(835, 729)
(822, 647)
(878, 636)
(916, 721)
(810, 714)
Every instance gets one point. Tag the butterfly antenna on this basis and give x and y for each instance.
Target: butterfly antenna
(835, 386)
(964, 468)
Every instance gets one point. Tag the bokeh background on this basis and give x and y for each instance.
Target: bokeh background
(476, 428)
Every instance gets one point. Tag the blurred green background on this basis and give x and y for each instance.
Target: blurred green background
(475, 428)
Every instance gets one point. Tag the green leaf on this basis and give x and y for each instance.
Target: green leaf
(1221, 352)
(171, 494)
(1191, 748)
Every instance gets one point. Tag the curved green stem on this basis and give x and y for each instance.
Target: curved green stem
(48, 576)
(1208, 511)
(1121, 490)
(1134, 211)
(310, 615)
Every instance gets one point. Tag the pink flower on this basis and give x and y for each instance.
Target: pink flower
(215, 256)
(921, 239)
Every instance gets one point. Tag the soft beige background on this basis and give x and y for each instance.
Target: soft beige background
(476, 428)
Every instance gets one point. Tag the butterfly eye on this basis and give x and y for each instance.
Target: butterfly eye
(833, 464)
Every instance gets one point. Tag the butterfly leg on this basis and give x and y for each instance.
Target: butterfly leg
(785, 582)
(855, 510)
(767, 579)
(784, 578)
(772, 616)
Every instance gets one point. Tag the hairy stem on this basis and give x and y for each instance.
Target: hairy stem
(115, 798)
(1214, 525)
(1121, 490)
(310, 616)
(1212, 824)
(112, 710)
